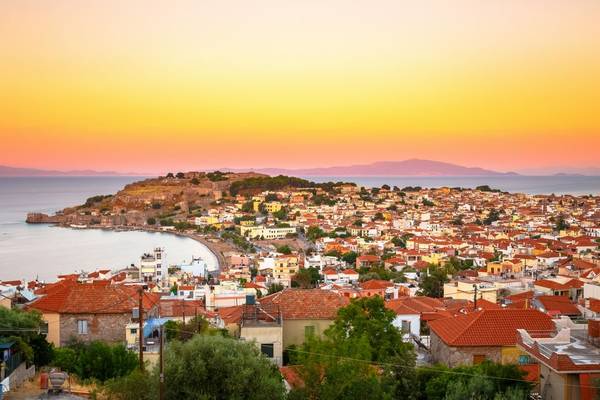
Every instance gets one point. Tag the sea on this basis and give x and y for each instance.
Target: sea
(45, 251)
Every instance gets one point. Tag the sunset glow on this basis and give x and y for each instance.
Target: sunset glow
(155, 86)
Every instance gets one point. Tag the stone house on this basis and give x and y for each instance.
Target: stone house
(483, 335)
(91, 311)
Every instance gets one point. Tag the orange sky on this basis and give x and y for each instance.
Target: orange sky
(155, 86)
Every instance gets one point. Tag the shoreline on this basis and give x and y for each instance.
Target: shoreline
(219, 257)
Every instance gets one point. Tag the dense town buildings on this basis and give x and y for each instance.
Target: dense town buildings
(469, 273)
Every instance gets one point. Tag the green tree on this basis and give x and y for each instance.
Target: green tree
(341, 370)
(368, 316)
(344, 363)
(248, 206)
(493, 216)
(561, 224)
(214, 367)
(350, 257)
(400, 241)
(432, 283)
(306, 278)
(151, 221)
(275, 287)
(281, 214)
(25, 327)
(135, 386)
(96, 360)
(43, 352)
(314, 232)
(285, 249)
(426, 202)
(486, 381)
(25, 324)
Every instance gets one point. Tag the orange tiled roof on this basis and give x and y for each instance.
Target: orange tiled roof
(558, 304)
(180, 308)
(349, 271)
(231, 315)
(306, 303)
(415, 305)
(375, 284)
(572, 284)
(489, 327)
(92, 299)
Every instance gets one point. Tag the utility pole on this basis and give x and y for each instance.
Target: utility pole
(162, 364)
(141, 327)
(183, 311)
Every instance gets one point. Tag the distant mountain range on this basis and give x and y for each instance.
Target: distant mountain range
(414, 167)
(21, 172)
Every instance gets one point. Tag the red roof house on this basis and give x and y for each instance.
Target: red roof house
(487, 334)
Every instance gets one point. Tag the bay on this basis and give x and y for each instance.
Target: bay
(44, 251)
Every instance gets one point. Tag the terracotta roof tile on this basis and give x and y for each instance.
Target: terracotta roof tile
(560, 305)
(376, 284)
(489, 327)
(306, 303)
(92, 299)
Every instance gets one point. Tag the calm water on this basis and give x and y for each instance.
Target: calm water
(27, 251)
(577, 185)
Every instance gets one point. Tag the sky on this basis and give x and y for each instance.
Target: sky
(151, 86)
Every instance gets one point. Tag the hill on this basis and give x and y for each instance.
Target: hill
(6, 171)
(413, 167)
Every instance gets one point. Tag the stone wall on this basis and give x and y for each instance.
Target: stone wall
(454, 356)
(106, 327)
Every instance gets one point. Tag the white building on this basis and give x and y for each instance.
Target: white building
(152, 267)
(264, 232)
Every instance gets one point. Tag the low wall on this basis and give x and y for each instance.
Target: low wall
(18, 376)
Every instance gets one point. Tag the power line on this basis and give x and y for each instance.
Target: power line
(431, 369)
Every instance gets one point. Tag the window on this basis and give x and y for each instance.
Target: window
(134, 331)
(478, 358)
(309, 330)
(82, 327)
(267, 349)
(406, 326)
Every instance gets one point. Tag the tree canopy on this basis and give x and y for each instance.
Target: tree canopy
(205, 367)
(432, 283)
(361, 356)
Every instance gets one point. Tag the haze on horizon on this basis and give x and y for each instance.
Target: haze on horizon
(151, 86)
